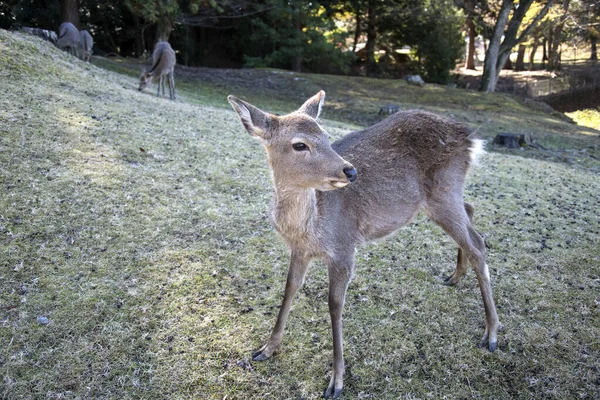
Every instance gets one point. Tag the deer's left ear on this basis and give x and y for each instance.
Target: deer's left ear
(312, 107)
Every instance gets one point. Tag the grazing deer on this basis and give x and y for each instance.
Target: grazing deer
(86, 42)
(331, 198)
(68, 38)
(163, 65)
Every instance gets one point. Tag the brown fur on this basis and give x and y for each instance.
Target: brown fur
(68, 37)
(86, 42)
(163, 67)
(412, 161)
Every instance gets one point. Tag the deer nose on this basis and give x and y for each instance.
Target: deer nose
(350, 173)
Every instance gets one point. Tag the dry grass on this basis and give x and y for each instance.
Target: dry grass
(159, 272)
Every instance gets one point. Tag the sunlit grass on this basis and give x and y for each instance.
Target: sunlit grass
(589, 118)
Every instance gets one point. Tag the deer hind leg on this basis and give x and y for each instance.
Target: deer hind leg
(298, 267)
(172, 84)
(454, 219)
(462, 263)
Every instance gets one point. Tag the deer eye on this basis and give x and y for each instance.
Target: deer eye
(299, 146)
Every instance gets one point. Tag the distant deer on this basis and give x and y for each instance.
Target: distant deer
(86, 42)
(163, 65)
(68, 38)
(331, 198)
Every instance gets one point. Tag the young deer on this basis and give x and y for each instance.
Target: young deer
(68, 37)
(163, 65)
(331, 198)
(86, 42)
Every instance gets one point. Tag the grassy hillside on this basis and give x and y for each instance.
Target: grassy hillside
(137, 259)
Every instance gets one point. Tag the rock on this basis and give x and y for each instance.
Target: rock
(43, 320)
(414, 80)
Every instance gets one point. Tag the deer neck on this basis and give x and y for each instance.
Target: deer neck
(294, 212)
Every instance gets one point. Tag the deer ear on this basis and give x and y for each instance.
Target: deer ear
(256, 122)
(312, 107)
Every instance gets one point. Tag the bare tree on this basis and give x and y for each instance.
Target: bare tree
(556, 36)
(499, 48)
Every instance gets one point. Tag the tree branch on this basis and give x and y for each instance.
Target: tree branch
(535, 21)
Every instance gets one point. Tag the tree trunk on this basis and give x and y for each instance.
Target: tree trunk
(163, 30)
(371, 37)
(139, 39)
(471, 49)
(491, 71)
(545, 53)
(536, 43)
(520, 64)
(556, 33)
(297, 60)
(111, 41)
(594, 43)
(553, 49)
(69, 12)
(498, 51)
(356, 31)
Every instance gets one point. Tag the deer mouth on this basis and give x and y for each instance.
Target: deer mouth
(339, 184)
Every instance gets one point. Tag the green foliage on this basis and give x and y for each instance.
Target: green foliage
(294, 32)
(440, 42)
(433, 29)
(34, 13)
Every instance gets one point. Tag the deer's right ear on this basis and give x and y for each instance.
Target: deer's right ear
(256, 122)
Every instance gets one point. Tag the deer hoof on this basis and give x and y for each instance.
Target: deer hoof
(491, 346)
(334, 390)
(264, 353)
(260, 355)
(448, 281)
(331, 393)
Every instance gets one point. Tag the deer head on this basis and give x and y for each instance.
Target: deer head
(298, 149)
(145, 79)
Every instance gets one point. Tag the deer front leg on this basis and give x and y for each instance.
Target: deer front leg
(339, 278)
(298, 267)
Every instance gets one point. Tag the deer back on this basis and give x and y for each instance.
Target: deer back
(68, 35)
(403, 162)
(163, 59)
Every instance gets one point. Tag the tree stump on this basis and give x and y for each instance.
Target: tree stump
(510, 140)
(389, 109)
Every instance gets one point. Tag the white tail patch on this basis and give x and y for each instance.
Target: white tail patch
(477, 150)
